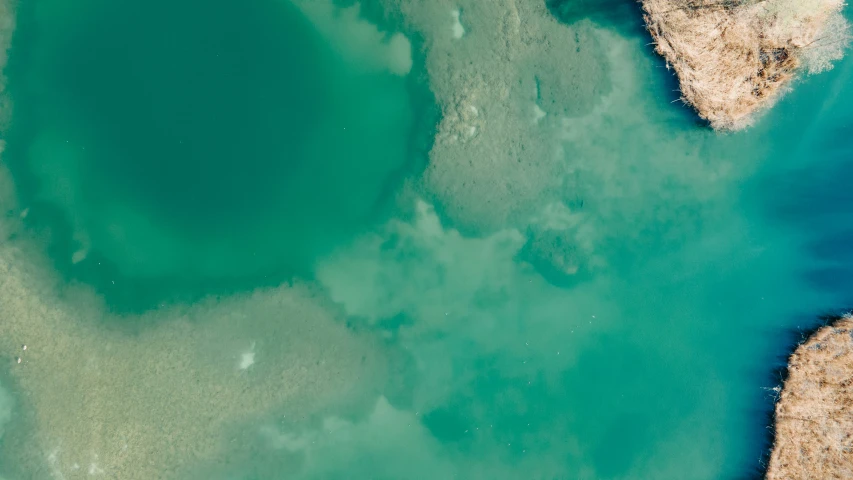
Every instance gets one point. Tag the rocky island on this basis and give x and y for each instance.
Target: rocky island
(814, 412)
(735, 57)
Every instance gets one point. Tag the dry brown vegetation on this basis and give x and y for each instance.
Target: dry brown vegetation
(814, 414)
(733, 57)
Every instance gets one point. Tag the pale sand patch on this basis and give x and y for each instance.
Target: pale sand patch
(79, 256)
(538, 113)
(247, 359)
(148, 405)
(490, 166)
(458, 30)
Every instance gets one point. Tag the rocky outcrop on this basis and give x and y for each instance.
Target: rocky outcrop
(733, 57)
(814, 412)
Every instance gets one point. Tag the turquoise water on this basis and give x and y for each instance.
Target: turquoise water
(599, 292)
(181, 145)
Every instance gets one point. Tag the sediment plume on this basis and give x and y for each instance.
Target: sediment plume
(735, 57)
(814, 413)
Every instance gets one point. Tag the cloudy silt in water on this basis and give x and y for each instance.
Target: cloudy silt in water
(391, 239)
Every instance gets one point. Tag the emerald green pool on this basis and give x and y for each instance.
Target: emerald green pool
(202, 145)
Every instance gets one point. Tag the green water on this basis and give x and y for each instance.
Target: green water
(171, 148)
(598, 295)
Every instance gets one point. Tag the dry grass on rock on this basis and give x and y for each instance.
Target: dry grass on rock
(814, 414)
(733, 57)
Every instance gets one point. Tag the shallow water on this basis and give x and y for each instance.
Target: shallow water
(583, 282)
